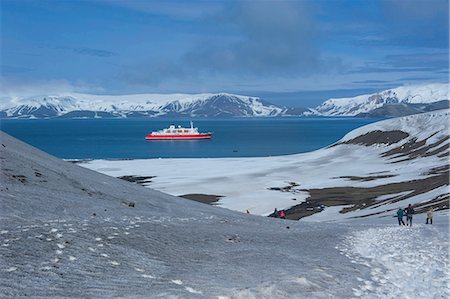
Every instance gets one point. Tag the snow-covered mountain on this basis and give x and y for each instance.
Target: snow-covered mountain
(395, 102)
(398, 101)
(139, 105)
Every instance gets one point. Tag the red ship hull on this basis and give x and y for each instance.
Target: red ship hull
(178, 136)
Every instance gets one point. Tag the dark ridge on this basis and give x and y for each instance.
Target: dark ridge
(367, 178)
(405, 148)
(378, 137)
(439, 150)
(438, 203)
(438, 170)
(444, 155)
(413, 149)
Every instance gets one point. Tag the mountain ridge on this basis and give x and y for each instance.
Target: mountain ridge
(408, 96)
(400, 101)
(141, 105)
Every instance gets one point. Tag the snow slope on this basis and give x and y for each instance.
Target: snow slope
(412, 168)
(415, 94)
(404, 263)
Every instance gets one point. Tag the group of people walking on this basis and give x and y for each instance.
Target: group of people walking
(409, 212)
(278, 214)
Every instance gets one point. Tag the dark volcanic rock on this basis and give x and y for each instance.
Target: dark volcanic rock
(378, 137)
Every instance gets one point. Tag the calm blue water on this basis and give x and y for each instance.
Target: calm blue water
(125, 138)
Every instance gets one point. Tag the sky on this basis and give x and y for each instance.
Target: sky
(295, 53)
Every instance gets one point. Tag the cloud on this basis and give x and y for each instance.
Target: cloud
(258, 39)
(11, 69)
(416, 22)
(86, 51)
(435, 60)
(417, 10)
(94, 52)
(416, 79)
(427, 61)
(152, 73)
(273, 38)
(370, 81)
(175, 10)
(19, 88)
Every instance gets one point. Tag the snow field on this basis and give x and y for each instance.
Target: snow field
(405, 262)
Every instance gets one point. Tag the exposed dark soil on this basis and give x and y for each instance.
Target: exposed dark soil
(287, 188)
(366, 178)
(438, 170)
(413, 149)
(377, 137)
(141, 180)
(364, 198)
(204, 198)
(438, 203)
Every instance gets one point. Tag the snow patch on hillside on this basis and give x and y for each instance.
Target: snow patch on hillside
(420, 126)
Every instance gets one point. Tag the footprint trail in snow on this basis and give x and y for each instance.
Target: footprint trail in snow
(405, 262)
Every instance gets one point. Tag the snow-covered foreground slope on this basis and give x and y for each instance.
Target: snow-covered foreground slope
(415, 94)
(404, 264)
(367, 172)
(68, 232)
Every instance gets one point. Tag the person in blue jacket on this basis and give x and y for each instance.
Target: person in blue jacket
(400, 213)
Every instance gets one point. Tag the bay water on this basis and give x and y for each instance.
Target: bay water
(125, 138)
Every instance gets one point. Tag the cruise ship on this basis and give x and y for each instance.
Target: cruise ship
(178, 133)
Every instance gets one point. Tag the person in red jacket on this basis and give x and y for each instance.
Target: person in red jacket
(282, 214)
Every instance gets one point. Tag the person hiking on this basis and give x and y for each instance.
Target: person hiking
(409, 215)
(247, 212)
(400, 213)
(275, 213)
(430, 216)
(282, 214)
